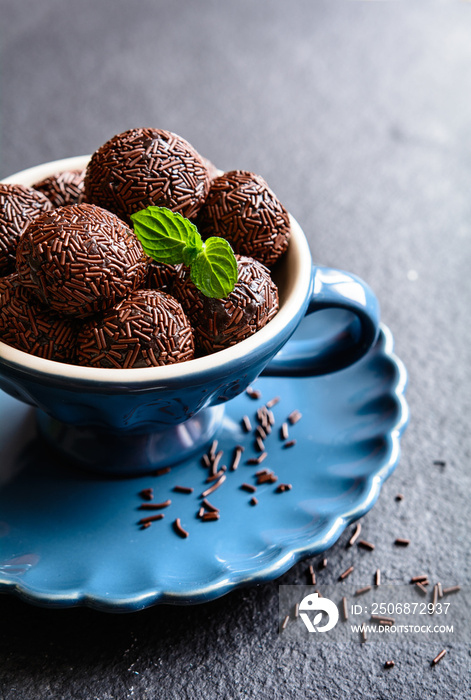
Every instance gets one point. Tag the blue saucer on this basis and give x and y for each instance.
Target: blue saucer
(70, 538)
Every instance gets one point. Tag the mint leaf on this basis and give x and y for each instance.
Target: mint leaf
(214, 270)
(167, 236)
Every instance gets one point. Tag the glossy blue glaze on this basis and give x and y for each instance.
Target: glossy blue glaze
(69, 538)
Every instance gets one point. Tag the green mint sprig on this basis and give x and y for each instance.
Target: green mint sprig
(169, 238)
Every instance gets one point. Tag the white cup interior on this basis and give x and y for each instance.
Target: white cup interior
(293, 278)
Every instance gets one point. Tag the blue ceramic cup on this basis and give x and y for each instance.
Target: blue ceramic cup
(132, 421)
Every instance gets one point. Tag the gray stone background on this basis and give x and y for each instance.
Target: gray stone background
(358, 114)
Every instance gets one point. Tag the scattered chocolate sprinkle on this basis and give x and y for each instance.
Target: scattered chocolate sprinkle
(162, 471)
(296, 610)
(355, 535)
(438, 657)
(363, 634)
(294, 416)
(284, 431)
(322, 564)
(249, 488)
(179, 529)
(439, 462)
(382, 619)
(451, 589)
(401, 542)
(378, 577)
(206, 461)
(419, 579)
(434, 597)
(260, 432)
(319, 594)
(215, 462)
(312, 575)
(236, 459)
(257, 460)
(150, 519)
(285, 622)
(389, 664)
(253, 393)
(385, 622)
(399, 497)
(246, 424)
(272, 402)
(183, 489)
(269, 478)
(215, 486)
(346, 573)
(155, 506)
(366, 545)
(210, 516)
(253, 501)
(212, 449)
(344, 609)
(283, 487)
(209, 506)
(420, 586)
(200, 513)
(440, 590)
(259, 445)
(262, 472)
(360, 591)
(290, 443)
(147, 494)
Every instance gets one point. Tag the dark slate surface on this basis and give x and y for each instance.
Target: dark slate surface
(358, 115)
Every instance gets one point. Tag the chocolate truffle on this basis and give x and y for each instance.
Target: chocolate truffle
(18, 206)
(141, 167)
(159, 276)
(28, 326)
(220, 323)
(241, 208)
(62, 188)
(147, 329)
(80, 259)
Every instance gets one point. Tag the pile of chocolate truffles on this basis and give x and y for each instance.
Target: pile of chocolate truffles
(76, 285)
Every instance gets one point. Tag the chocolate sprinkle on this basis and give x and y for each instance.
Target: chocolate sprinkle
(346, 573)
(389, 664)
(179, 529)
(344, 609)
(355, 535)
(248, 487)
(401, 542)
(360, 591)
(438, 657)
(183, 489)
(366, 545)
(253, 501)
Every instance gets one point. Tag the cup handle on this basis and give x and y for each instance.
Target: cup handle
(335, 348)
